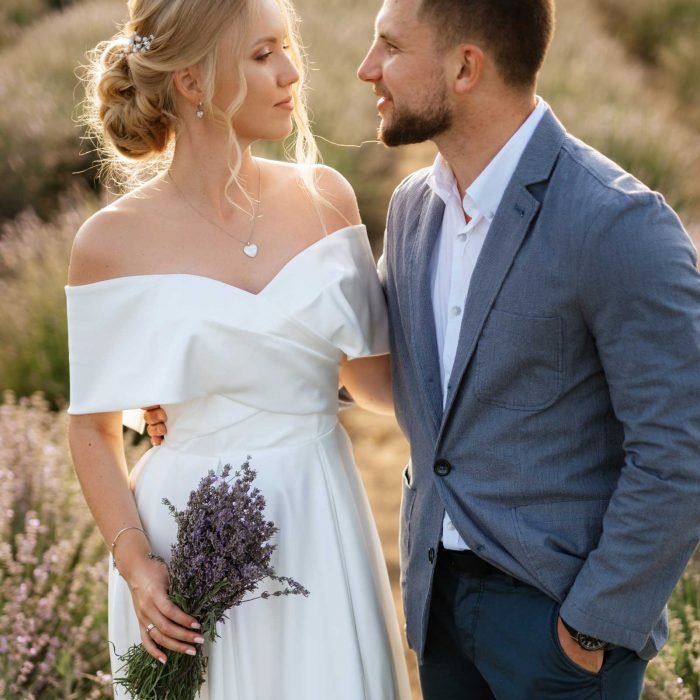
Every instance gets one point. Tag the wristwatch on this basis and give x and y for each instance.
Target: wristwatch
(583, 640)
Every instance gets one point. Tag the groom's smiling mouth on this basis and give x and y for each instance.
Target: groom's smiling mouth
(383, 99)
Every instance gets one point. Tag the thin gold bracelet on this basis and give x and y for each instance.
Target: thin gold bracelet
(122, 531)
(150, 555)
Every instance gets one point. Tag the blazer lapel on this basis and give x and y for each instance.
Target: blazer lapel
(424, 348)
(506, 234)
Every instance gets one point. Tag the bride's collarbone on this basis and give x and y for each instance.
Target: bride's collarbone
(176, 250)
(156, 235)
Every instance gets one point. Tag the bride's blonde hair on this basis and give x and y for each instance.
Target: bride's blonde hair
(130, 106)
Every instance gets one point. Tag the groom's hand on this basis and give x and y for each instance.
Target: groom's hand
(591, 661)
(155, 418)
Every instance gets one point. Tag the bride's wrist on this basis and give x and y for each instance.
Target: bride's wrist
(129, 548)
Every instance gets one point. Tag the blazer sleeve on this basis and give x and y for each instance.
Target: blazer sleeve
(639, 292)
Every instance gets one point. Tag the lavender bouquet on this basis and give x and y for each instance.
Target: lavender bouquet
(222, 553)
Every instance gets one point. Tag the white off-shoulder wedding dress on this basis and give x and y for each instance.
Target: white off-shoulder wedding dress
(240, 375)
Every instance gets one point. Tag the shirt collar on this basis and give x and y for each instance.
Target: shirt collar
(484, 195)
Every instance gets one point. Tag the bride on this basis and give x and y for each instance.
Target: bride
(237, 292)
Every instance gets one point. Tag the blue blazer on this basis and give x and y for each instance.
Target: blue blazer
(568, 450)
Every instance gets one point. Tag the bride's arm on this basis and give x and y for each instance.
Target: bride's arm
(98, 454)
(368, 379)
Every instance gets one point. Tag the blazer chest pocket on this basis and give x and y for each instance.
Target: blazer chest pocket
(519, 361)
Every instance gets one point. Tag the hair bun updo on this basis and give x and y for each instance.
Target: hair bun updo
(133, 117)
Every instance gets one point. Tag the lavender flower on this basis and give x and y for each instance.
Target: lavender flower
(222, 553)
(52, 563)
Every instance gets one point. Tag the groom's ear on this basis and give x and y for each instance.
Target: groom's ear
(467, 67)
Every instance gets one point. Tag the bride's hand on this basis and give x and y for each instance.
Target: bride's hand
(173, 630)
(156, 419)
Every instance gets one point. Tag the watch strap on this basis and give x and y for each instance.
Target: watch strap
(585, 641)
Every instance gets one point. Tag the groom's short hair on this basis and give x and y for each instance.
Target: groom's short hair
(516, 33)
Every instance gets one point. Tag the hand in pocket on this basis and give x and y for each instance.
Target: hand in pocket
(591, 661)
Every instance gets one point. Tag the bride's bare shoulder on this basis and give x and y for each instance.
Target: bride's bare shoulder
(338, 203)
(339, 194)
(105, 244)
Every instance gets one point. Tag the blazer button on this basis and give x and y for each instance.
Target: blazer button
(431, 555)
(442, 467)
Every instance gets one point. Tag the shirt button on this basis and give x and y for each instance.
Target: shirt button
(456, 310)
(462, 237)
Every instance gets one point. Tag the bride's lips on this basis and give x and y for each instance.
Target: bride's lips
(287, 104)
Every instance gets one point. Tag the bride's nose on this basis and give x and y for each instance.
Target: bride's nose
(289, 73)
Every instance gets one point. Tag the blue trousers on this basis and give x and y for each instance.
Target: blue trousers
(491, 637)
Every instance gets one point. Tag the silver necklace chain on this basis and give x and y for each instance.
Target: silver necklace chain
(250, 249)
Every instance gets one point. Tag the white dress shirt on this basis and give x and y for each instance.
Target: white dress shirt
(458, 247)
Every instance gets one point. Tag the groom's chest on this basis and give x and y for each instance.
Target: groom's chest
(434, 273)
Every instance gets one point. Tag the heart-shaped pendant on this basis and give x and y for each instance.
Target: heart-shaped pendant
(250, 249)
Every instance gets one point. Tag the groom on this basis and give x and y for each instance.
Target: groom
(545, 327)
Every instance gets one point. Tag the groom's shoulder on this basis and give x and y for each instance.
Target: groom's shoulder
(415, 181)
(586, 169)
(410, 188)
(611, 206)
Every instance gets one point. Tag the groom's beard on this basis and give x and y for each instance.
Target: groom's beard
(408, 127)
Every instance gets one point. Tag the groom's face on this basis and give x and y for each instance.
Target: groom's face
(407, 75)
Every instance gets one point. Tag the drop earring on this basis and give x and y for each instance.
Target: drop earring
(200, 110)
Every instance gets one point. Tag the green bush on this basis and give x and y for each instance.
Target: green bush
(40, 144)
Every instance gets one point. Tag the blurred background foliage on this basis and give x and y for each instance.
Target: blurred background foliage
(623, 75)
(16, 15)
(664, 36)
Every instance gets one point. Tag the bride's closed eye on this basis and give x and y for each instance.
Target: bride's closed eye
(268, 52)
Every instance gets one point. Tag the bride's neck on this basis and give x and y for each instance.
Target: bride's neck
(201, 172)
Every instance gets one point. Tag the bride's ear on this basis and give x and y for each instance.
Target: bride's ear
(186, 83)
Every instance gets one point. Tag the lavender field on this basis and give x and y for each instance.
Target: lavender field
(623, 75)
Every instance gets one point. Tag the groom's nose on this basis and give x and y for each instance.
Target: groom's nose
(370, 69)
